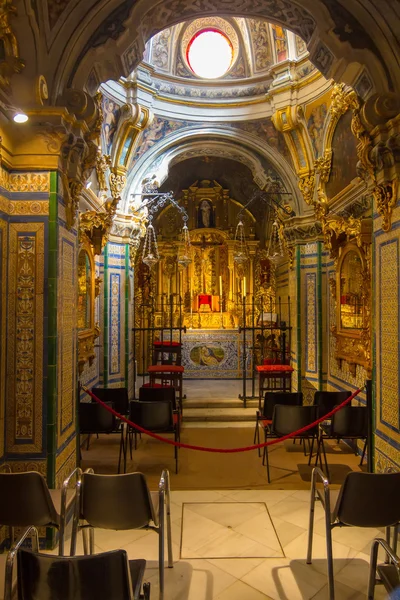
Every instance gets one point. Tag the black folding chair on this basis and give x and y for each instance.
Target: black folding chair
(287, 419)
(95, 418)
(364, 500)
(350, 423)
(99, 577)
(326, 401)
(25, 501)
(155, 416)
(388, 572)
(264, 417)
(122, 502)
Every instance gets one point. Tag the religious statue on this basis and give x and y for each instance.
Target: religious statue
(205, 216)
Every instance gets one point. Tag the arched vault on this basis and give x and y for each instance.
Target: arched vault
(263, 161)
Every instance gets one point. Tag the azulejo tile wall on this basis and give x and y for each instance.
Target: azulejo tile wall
(114, 317)
(387, 325)
(25, 338)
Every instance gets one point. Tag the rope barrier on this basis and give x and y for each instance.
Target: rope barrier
(222, 450)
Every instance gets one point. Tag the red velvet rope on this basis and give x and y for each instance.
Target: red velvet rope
(222, 450)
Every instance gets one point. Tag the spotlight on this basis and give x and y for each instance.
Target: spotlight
(20, 117)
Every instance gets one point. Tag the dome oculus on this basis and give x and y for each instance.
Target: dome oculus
(209, 54)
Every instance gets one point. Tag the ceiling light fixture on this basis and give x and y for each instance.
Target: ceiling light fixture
(20, 117)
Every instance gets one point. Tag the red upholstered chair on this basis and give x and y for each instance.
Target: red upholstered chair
(273, 378)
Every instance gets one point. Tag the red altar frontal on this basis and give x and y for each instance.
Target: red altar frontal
(206, 303)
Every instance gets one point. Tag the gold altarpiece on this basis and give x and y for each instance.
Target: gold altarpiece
(211, 288)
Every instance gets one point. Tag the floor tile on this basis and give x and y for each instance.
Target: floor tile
(241, 591)
(228, 530)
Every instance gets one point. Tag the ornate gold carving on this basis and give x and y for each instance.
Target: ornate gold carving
(72, 191)
(88, 330)
(307, 185)
(96, 225)
(342, 99)
(97, 283)
(353, 320)
(385, 197)
(10, 63)
(117, 181)
(332, 285)
(103, 162)
(86, 351)
(323, 165)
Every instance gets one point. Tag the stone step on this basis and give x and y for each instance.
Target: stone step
(218, 414)
(227, 403)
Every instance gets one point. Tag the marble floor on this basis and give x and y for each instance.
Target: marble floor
(249, 545)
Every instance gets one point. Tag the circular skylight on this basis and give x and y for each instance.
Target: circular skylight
(210, 54)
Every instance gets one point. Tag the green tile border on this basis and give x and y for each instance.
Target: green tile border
(127, 316)
(298, 317)
(320, 354)
(106, 319)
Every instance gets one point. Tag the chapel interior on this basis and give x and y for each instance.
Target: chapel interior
(203, 197)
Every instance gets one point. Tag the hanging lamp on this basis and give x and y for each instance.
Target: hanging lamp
(150, 255)
(240, 255)
(184, 259)
(275, 249)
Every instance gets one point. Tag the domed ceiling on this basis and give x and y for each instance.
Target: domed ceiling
(262, 53)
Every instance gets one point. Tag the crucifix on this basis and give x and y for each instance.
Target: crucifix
(205, 246)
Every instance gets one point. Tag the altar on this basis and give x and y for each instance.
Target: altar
(215, 354)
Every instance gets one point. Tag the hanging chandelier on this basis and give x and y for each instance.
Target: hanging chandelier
(275, 248)
(184, 259)
(150, 255)
(240, 254)
(153, 201)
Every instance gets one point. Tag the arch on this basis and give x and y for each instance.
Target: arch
(226, 142)
(110, 39)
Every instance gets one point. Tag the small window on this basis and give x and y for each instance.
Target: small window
(210, 54)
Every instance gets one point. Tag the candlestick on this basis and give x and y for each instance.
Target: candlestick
(244, 287)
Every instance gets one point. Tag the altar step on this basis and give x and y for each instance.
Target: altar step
(219, 412)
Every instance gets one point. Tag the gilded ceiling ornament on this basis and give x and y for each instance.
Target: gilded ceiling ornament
(306, 185)
(96, 226)
(342, 99)
(323, 165)
(10, 62)
(385, 197)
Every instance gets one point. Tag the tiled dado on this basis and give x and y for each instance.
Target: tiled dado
(387, 325)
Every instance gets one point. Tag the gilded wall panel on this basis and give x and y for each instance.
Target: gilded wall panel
(25, 337)
(341, 373)
(3, 321)
(67, 291)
